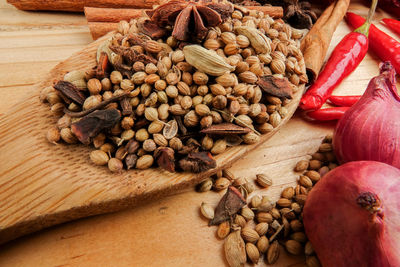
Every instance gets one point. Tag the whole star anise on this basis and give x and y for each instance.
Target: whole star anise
(190, 19)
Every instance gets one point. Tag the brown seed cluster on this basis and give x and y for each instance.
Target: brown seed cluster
(170, 94)
(265, 227)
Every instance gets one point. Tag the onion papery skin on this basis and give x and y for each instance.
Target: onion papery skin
(341, 231)
(370, 129)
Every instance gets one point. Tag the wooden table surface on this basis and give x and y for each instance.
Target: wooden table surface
(165, 232)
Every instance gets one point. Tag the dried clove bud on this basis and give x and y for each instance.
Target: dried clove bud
(151, 29)
(93, 123)
(229, 205)
(165, 158)
(197, 162)
(279, 87)
(126, 106)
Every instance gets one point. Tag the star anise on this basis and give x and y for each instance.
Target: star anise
(190, 20)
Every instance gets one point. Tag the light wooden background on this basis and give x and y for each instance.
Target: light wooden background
(165, 232)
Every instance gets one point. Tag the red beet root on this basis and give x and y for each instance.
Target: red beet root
(352, 216)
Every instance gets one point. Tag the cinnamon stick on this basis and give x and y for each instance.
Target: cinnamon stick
(98, 29)
(78, 5)
(95, 14)
(315, 44)
(272, 11)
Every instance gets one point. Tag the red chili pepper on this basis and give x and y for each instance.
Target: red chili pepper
(327, 114)
(387, 48)
(344, 101)
(392, 24)
(346, 56)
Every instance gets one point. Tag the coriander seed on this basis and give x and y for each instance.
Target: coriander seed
(53, 135)
(144, 162)
(115, 165)
(67, 135)
(221, 183)
(94, 86)
(149, 145)
(151, 114)
(205, 186)
(127, 123)
(155, 127)
(116, 77)
(99, 157)
(175, 143)
(141, 135)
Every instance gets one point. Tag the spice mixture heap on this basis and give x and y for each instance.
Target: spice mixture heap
(179, 86)
(297, 13)
(255, 227)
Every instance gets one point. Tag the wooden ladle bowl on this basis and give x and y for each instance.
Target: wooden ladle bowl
(42, 184)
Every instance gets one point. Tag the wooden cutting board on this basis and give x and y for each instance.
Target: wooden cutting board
(43, 184)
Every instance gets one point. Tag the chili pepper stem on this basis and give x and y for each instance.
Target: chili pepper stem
(364, 29)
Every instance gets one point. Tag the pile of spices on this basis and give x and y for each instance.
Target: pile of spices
(256, 227)
(171, 92)
(297, 13)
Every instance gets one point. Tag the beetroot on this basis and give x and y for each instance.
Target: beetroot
(390, 6)
(352, 216)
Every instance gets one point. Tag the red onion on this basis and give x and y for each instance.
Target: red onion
(390, 6)
(370, 129)
(352, 216)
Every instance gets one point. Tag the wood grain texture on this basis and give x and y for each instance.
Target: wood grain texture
(45, 184)
(99, 29)
(167, 232)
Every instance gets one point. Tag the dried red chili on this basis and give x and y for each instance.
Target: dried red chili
(344, 101)
(346, 56)
(327, 114)
(384, 46)
(392, 24)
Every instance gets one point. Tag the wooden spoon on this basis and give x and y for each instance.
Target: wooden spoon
(42, 184)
